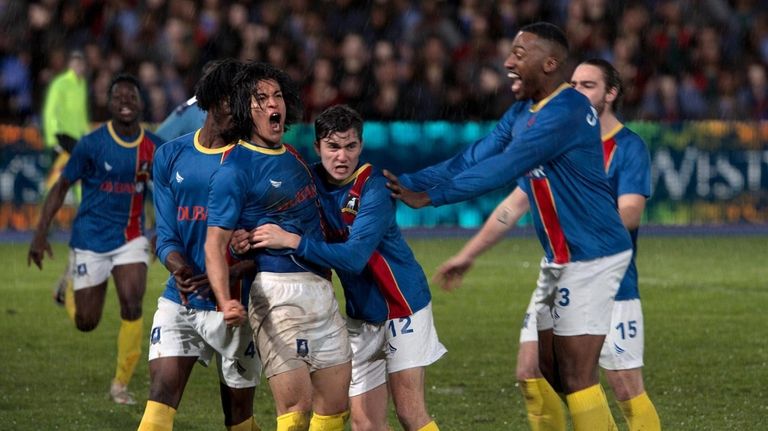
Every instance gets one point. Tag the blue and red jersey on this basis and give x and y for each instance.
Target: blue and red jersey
(182, 172)
(256, 186)
(628, 166)
(552, 149)
(114, 171)
(378, 271)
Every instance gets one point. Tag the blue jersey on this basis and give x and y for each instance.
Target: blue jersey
(114, 172)
(186, 118)
(556, 158)
(255, 186)
(378, 271)
(628, 166)
(490, 145)
(182, 171)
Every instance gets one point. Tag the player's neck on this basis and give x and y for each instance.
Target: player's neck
(210, 137)
(608, 122)
(126, 130)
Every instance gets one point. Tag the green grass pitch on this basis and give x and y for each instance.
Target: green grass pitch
(705, 302)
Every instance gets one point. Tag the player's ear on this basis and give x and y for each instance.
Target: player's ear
(317, 147)
(611, 95)
(551, 64)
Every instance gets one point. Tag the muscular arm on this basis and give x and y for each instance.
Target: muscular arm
(52, 203)
(216, 242)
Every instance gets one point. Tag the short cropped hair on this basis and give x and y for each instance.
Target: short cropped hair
(338, 118)
(611, 77)
(123, 77)
(245, 84)
(549, 32)
(217, 82)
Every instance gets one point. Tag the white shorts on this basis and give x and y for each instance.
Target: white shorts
(90, 268)
(538, 314)
(296, 322)
(391, 346)
(577, 298)
(623, 346)
(181, 331)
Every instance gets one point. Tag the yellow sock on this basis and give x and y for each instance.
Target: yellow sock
(432, 426)
(246, 425)
(640, 413)
(293, 421)
(589, 410)
(157, 417)
(128, 349)
(328, 423)
(69, 298)
(545, 410)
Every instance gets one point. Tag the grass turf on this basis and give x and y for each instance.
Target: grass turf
(706, 363)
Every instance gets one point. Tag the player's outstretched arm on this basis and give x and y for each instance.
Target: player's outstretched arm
(451, 273)
(53, 202)
(409, 197)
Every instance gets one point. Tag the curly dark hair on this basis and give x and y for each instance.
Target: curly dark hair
(245, 84)
(124, 77)
(217, 82)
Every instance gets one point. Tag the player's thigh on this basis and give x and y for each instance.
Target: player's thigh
(129, 270)
(331, 389)
(237, 403)
(168, 377)
(89, 305)
(369, 366)
(583, 299)
(292, 390)
(624, 345)
(297, 323)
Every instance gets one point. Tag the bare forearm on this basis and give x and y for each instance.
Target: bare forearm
(504, 217)
(52, 203)
(216, 262)
(174, 261)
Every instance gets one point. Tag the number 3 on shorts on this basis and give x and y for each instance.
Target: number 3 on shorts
(564, 299)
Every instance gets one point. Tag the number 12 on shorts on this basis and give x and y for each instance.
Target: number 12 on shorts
(405, 326)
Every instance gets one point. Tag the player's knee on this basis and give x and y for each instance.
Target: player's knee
(86, 323)
(411, 415)
(366, 424)
(527, 372)
(131, 312)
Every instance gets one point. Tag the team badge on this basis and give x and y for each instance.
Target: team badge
(302, 347)
(154, 336)
(82, 269)
(352, 205)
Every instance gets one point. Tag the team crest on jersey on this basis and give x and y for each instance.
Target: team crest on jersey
(352, 205)
(179, 178)
(154, 336)
(107, 166)
(531, 121)
(275, 184)
(81, 269)
(302, 347)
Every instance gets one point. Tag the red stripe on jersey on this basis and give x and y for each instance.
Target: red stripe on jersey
(397, 305)
(609, 149)
(545, 203)
(144, 153)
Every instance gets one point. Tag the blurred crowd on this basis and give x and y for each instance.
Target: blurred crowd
(391, 60)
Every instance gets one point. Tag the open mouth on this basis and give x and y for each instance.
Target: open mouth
(274, 121)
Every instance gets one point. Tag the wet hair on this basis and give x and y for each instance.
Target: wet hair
(338, 118)
(124, 77)
(611, 77)
(217, 82)
(549, 32)
(244, 87)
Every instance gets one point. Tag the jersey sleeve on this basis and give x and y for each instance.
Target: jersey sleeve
(545, 140)
(80, 163)
(490, 145)
(168, 236)
(376, 212)
(226, 194)
(635, 170)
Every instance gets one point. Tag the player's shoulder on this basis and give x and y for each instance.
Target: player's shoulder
(152, 136)
(627, 138)
(96, 135)
(176, 145)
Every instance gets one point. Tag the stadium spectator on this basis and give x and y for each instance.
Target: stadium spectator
(180, 36)
(186, 327)
(389, 305)
(300, 334)
(585, 257)
(114, 164)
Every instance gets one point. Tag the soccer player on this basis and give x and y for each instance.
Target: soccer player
(186, 327)
(114, 164)
(554, 153)
(299, 332)
(389, 305)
